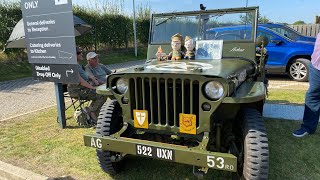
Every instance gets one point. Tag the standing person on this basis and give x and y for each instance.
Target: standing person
(312, 101)
(96, 69)
(86, 89)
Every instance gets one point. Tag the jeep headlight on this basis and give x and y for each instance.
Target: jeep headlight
(213, 90)
(122, 85)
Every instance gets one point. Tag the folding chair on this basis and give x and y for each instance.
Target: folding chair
(76, 102)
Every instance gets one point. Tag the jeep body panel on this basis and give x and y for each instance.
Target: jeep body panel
(166, 109)
(197, 156)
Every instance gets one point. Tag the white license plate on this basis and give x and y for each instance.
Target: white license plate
(155, 152)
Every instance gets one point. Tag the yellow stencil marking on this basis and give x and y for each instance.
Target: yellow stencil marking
(187, 123)
(141, 119)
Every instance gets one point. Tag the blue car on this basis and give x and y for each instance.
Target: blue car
(285, 55)
(288, 32)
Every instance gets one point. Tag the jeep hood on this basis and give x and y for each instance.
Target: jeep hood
(216, 68)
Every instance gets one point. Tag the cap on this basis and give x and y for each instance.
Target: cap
(91, 55)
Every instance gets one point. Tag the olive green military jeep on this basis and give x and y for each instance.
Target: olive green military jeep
(204, 112)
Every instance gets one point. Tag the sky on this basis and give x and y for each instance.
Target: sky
(284, 11)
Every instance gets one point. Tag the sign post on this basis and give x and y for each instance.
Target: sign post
(50, 42)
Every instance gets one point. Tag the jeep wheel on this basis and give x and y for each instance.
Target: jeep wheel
(299, 70)
(253, 157)
(109, 122)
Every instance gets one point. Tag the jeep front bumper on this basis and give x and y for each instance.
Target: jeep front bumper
(197, 156)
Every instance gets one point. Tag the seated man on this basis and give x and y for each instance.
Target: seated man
(86, 89)
(94, 68)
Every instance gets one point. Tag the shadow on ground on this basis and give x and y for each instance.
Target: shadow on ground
(62, 178)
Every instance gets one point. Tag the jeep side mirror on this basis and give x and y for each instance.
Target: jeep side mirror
(262, 41)
(276, 41)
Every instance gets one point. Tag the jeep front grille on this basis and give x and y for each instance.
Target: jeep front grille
(164, 99)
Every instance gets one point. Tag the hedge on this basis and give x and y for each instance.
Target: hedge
(109, 30)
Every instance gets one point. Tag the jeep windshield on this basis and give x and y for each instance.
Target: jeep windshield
(200, 25)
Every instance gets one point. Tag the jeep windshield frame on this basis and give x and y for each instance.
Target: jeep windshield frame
(198, 23)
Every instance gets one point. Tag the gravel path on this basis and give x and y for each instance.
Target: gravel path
(23, 96)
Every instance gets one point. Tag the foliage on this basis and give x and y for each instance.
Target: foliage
(10, 14)
(263, 19)
(114, 7)
(245, 19)
(143, 23)
(14, 70)
(85, 41)
(111, 29)
(299, 22)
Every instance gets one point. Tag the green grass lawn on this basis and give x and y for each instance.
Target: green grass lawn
(16, 70)
(38, 144)
(11, 71)
(286, 96)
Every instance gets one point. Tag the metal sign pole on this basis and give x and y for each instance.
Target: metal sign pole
(60, 105)
(134, 30)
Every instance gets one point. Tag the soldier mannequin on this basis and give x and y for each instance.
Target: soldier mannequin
(176, 53)
(189, 45)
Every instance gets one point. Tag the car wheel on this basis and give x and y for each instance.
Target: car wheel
(299, 70)
(109, 122)
(251, 147)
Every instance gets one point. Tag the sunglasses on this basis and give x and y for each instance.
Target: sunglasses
(79, 53)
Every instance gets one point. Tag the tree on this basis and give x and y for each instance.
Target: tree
(247, 19)
(263, 19)
(299, 22)
(107, 6)
(143, 23)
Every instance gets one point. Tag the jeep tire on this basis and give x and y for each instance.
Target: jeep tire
(299, 69)
(255, 154)
(109, 122)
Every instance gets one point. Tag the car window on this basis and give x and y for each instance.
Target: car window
(261, 33)
(286, 32)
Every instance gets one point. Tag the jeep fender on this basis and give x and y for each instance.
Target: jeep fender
(248, 92)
